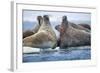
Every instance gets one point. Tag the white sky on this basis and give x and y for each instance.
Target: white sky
(29, 15)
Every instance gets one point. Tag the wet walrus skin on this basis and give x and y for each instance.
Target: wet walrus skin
(71, 37)
(44, 38)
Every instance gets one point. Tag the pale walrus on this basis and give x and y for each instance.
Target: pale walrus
(44, 38)
(71, 37)
(33, 31)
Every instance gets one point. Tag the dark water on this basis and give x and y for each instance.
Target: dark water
(62, 55)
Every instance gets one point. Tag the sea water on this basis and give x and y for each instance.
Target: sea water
(73, 53)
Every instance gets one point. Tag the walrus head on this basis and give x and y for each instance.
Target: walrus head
(57, 27)
(40, 19)
(64, 20)
(46, 19)
(64, 24)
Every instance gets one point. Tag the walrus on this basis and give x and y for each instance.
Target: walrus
(33, 31)
(77, 26)
(44, 38)
(27, 33)
(85, 26)
(71, 37)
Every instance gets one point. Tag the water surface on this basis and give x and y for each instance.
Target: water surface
(61, 55)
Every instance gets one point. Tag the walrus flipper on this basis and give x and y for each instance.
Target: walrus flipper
(54, 46)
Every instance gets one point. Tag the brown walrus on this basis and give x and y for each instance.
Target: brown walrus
(44, 38)
(31, 32)
(86, 26)
(77, 26)
(71, 37)
(27, 33)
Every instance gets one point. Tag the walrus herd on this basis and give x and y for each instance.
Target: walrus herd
(71, 34)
